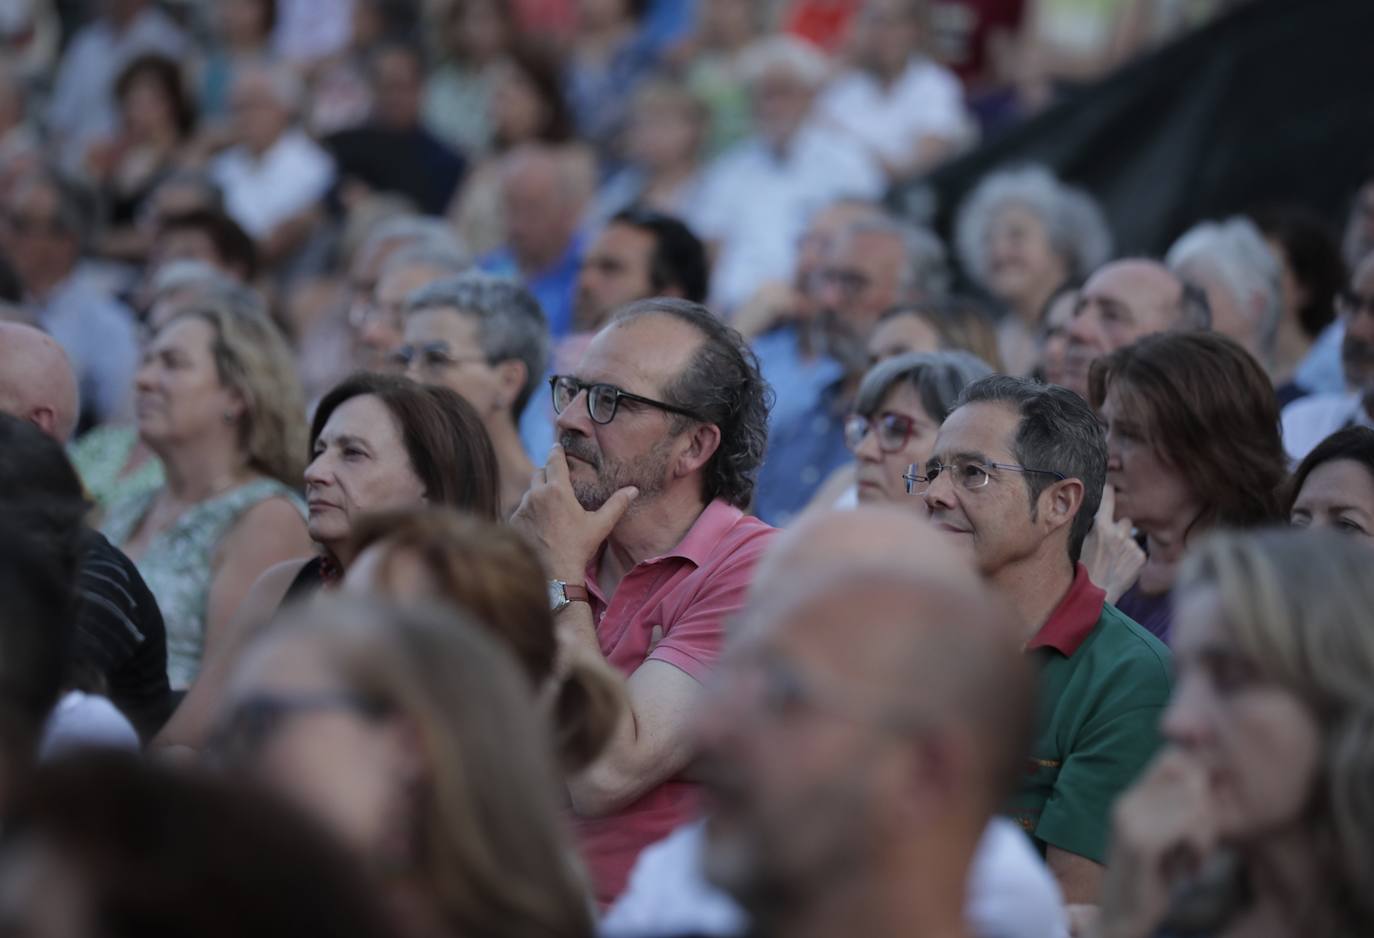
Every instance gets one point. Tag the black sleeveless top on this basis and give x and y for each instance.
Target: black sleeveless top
(307, 583)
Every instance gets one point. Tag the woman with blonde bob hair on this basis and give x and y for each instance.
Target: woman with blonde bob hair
(490, 571)
(1257, 818)
(218, 403)
(412, 734)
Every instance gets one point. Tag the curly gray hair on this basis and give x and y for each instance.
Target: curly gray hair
(1073, 220)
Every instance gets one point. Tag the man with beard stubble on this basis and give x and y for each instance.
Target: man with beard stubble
(639, 517)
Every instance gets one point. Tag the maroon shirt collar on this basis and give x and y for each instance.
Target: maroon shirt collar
(1075, 616)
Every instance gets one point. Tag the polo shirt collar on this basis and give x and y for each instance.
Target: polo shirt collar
(700, 541)
(1074, 618)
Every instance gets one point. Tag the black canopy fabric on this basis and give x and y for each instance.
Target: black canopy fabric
(1272, 103)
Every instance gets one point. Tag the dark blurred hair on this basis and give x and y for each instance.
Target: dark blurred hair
(11, 287)
(490, 571)
(162, 852)
(1353, 443)
(1209, 412)
(448, 446)
(679, 259)
(1057, 433)
(167, 74)
(234, 246)
(723, 386)
(1313, 255)
(540, 65)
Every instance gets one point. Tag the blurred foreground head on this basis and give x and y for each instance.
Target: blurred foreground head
(102, 845)
(415, 737)
(871, 713)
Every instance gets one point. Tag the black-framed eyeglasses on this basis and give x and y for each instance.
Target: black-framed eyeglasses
(894, 431)
(432, 356)
(254, 720)
(967, 474)
(602, 399)
(1350, 304)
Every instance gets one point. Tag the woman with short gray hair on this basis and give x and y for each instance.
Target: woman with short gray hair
(1020, 235)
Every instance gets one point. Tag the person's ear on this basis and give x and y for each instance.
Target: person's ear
(511, 376)
(701, 445)
(45, 419)
(1065, 499)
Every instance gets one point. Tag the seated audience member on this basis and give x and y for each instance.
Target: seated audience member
(40, 493)
(896, 779)
(489, 571)
(952, 324)
(472, 38)
(871, 267)
(119, 634)
(416, 740)
(378, 442)
(1253, 820)
(379, 333)
(242, 35)
(45, 233)
(82, 105)
(640, 253)
(1242, 277)
(1313, 276)
(906, 109)
(1308, 421)
(274, 176)
(1192, 444)
(1014, 481)
(1009, 891)
(78, 859)
(219, 406)
(758, 196)
(544, 195)
(1123, 301)
(485, 338)
(156, 119)
(639, 518)
(1052, 337)
(1333, 487)
(394, 151)
(1022, 234)
(609, 56)
(209, 236)
(897, 412)
(664, 140)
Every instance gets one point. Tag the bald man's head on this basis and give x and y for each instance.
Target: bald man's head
(36, 380)
(890, 707)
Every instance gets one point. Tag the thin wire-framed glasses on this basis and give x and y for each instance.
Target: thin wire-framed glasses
(967, 474)
(432, 356)
(894, 431)
(603, 400)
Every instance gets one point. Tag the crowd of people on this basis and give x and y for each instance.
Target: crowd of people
(478, 468)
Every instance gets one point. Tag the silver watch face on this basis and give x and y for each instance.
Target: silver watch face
(558, 596)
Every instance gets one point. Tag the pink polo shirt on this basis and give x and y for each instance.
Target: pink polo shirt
(690, 592)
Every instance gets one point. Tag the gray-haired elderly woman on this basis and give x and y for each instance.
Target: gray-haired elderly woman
(900, 405)
(1020, 235)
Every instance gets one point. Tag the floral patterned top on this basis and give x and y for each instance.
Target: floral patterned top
(177, 563)
(101, 455)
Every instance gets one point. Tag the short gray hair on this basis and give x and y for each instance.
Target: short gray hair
(510, 322)
(937, 377)
(799, 58)
(413, 231)
(443, 258)
(1235, 250)
(1073, 220)
(925, 272)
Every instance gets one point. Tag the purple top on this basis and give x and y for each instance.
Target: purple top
(1154, 611)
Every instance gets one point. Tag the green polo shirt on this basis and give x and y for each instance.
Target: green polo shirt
(1104, 682)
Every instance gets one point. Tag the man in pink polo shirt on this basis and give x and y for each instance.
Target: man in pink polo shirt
(639, 515)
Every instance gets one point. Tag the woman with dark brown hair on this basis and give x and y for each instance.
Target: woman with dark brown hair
(1193, 444)
(377, 442)
(423, 555)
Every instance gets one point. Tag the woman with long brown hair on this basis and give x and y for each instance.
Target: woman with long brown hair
(1193, 444)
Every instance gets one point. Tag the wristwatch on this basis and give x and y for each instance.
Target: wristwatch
(563, 594)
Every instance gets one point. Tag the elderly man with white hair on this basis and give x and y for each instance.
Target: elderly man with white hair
(275, 175)
(1242, 278)
(758, 197)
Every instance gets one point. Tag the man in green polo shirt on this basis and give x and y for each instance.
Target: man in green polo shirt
(1015, 480)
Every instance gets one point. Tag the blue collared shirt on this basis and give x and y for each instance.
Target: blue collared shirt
(554, 287)
(805, 428)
